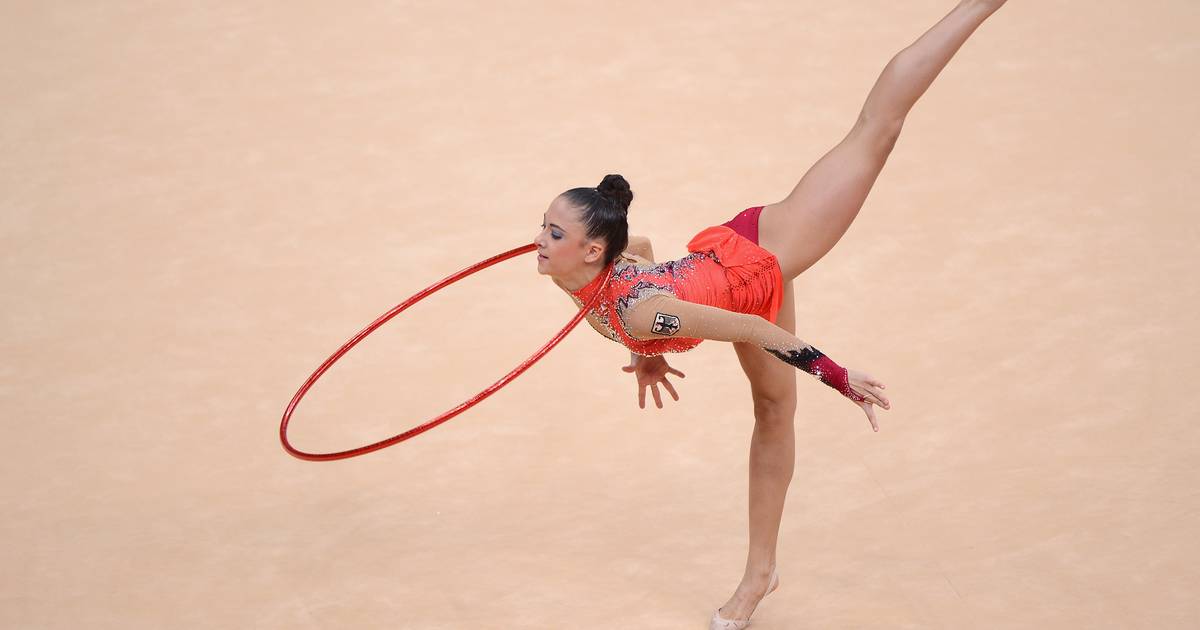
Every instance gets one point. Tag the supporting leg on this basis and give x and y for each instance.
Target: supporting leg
(772, 461)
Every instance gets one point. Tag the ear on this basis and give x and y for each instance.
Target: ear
(595, 251)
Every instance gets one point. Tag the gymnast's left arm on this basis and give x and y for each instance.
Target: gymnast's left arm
(663, 315)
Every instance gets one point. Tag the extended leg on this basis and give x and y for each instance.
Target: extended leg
(804, 226)
(910, 73)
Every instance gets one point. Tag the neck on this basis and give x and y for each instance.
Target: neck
(580, 279)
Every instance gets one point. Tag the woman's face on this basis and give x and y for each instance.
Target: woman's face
(562, 244)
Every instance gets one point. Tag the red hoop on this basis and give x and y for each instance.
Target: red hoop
(363, 450)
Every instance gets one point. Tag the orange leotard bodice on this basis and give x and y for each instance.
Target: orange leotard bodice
(722, 269)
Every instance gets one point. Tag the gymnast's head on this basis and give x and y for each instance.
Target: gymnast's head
(584, 227)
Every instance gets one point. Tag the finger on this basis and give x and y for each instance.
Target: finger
(676, 372)
(875, 397)
(657, 396)
(642, 396)
(865, 391)
(670, 388)
(871, 416)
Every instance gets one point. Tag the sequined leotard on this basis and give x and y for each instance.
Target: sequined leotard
(723, 269)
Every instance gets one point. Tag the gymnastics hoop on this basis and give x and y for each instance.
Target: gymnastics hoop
(363, 450)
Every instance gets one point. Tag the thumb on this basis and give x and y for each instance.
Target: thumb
(627, 368)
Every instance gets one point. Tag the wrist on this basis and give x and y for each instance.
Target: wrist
(816, 363)
(835, 376)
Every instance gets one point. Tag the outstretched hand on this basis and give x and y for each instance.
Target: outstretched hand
(649, 371)
(871, 389)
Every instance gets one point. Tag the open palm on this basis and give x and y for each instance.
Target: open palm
(650, 372)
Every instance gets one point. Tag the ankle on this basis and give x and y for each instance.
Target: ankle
(759, 571)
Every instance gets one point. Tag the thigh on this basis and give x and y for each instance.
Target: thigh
(772, 381)
(804, 226)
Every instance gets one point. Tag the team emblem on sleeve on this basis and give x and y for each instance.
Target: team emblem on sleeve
(665, 324)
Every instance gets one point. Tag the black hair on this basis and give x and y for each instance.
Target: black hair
(605, 210)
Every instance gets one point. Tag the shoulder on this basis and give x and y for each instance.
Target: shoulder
(639, 312)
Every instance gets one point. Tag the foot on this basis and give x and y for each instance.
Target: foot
(749, 593)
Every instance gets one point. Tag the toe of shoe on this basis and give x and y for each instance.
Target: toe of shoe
(720, 623)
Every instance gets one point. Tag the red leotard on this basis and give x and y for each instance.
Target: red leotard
(724, 269)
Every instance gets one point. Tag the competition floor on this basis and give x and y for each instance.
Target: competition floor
(200, 203)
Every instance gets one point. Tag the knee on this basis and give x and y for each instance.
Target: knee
(881, 132)
(781, 408)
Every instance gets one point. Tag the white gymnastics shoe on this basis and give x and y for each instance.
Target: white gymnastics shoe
(720, 623)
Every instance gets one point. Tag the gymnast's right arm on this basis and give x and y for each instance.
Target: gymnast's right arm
(663, 315)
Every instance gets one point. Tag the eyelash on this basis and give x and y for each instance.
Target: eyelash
(552, 234)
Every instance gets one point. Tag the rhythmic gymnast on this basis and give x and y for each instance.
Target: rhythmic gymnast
(735, 285)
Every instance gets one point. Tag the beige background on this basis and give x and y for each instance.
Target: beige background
(200, 203)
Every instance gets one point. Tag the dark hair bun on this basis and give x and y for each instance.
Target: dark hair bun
(616, 188)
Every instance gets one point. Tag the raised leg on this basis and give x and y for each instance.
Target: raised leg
(772, 460)
(804, 226)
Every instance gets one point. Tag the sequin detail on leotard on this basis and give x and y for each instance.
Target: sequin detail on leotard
(631, 283)
(724, 269)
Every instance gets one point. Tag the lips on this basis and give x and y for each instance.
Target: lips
(541, 257)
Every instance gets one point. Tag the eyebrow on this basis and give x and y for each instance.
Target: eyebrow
(553, 224)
